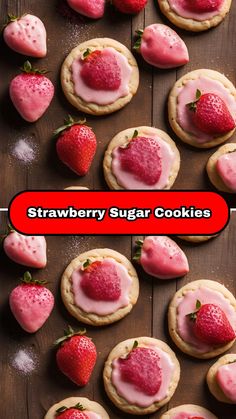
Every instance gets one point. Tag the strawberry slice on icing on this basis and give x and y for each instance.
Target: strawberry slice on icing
(142, 157)
(101, 282)
(100, 70)
(203, 6)
(226, 168)
(226, 378)
(142, 369)
(88, 8)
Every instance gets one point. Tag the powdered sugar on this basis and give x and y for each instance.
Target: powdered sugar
(24, 150)
(24, 361)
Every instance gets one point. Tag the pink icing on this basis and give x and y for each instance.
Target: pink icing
(226, 168)
(131, 394)
(226, 378)
(162, 47)
(187, 94)
(188, 415)
(92, 415)
(181, 9)
(187, 304)
(128, 181)
(102, 308)
(102, 97)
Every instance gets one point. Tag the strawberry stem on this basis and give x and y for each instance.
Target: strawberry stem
(68, 124)
(135, 345)
(27, 279)
(28, 69)
(87, 263)
(192, 106)
(135, 134)
(87, 53)
(69, 334)
(193, 316)
(138, 252)
(138, 42)
(63, 409)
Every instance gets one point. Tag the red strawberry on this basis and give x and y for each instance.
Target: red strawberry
(75, 412)
(31, 93)
(211, 324)
(100, 281)
(129, 6)
(142, 368)
(31, 303)
(26, 35)
(26, 250)
(76, 356)
(76, 146)
(142, 158)
(211, 115)
(101, 70)
(203, 6)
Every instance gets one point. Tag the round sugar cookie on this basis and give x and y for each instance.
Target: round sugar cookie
(68, 84)
(121, 350)
(188, 408)
(90, 317)
(211, 167)
(87, 404)
(122, 139)
(212, 383)
(203, 76)
(197, 239)
(191, 22)
(173, 313)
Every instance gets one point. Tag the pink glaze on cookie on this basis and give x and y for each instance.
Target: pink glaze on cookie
(130, 180)
(226, 168)
(226, 378)
(189, 415)
(92, 415)
(187, 305)
(182, 8)
(102, 308)
(187, 94)
(162, 47)
(102, 97)
(135, 396)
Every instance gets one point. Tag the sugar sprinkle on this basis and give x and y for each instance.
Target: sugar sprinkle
(24, 361)
(24, 150)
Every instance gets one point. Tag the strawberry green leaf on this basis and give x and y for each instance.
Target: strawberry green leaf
(198, 94)
(68, 124)
(135, 345)
(87, 53)
(198, 304)
(138, 251)
(87, 263)
(138, 42)
(27, 279)
(135, 134)
(69, 334)
(28, 69)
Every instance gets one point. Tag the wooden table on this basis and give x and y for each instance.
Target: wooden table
(30, 397)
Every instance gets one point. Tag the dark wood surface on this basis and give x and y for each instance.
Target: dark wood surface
(30, 397)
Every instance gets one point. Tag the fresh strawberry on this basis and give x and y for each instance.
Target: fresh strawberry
(31, 303)
(92, 9)
(161, 46)
(147, 168)
(129, 6)
(75, 412)
(210, 114)
(26, 250)
(100, 70)
(76, 146)
(31, 93)
(211, 324)
(203, 6)
(76, 356)
(142, 369)
(26, 35)
(161, 257)
(100, 281)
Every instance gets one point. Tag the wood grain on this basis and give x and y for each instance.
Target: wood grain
(30, 397)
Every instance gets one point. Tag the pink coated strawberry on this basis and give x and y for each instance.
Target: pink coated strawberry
(142, 157)
(210, 114)
(76, 356)
(226, 168)
(161, 257)
(26, 35)
(100, 70)
(211, 324)
(161, 46)
(26, 250)
(204, 6)
(31, 93)
(92, 9)
(100, 281)
(76, 146)
(129, 6)
(74, 412)
(31, 303)
(142, 368)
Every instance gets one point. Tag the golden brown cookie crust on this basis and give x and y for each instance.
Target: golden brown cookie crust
(192, 24)
(211, 378)
(197, 239)
(68, 85)
(193, 408)
(173, 105)
(123, 138)
(68, 296)
(173, 312)
(79, 188)
(124, 348)
(211, 167)
(72, 401)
